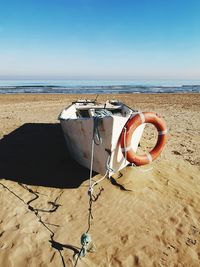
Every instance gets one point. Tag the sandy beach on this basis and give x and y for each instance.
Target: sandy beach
(148, 216)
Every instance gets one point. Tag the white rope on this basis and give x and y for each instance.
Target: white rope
(142, 117)
(91, 162)
(162, 132)
(125, 148)
(91, 185)
(149, 157)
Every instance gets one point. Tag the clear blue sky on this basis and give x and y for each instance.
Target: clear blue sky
(100, 39)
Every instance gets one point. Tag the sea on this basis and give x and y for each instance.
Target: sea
(98, 86)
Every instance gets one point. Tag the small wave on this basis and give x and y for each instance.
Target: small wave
(101, 89)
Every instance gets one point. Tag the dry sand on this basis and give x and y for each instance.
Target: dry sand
(43, 192)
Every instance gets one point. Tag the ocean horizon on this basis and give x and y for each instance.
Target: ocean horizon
(98, 86)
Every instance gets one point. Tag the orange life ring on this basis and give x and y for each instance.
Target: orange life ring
(130, 127)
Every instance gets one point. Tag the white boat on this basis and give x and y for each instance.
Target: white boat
(93, 130)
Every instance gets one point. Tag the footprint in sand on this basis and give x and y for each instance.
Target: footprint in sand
(176, 152)
(1, 234)
(190, 151)
(124, 239)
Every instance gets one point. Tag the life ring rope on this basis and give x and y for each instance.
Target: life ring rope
(142, 117)
(131, 126)
(162, 132)
(149, 156)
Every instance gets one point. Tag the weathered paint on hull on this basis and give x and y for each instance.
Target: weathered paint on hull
(78, 134)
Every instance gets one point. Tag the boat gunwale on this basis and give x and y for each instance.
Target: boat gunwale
(122, 105)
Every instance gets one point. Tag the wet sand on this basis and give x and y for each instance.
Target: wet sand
(148, 216)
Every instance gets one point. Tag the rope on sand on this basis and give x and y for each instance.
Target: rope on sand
(86, 240)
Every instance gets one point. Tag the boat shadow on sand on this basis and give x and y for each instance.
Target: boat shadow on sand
(36, 154)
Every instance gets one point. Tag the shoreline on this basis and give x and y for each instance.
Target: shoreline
(94, 94)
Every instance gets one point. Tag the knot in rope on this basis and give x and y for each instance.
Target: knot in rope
(90, 191)
(108, 168)
(85, 241)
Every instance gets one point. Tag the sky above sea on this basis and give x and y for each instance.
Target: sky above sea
(100, 39)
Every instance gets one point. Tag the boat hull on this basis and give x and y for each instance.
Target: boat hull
(78, 133)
